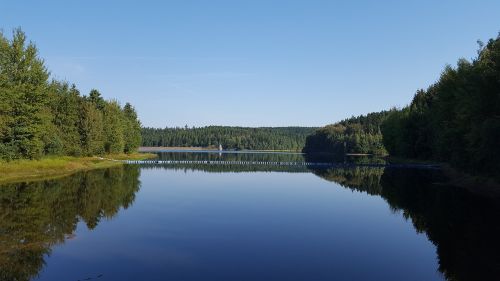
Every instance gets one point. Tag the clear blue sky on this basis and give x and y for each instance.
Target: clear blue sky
(252, 63)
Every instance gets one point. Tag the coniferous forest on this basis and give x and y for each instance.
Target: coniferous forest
(457, 119)
(263, 138)
(40, 117)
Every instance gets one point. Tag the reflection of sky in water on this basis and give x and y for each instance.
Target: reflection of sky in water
(187, 225)
(223, 222)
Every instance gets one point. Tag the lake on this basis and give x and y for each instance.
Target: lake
(247, 222)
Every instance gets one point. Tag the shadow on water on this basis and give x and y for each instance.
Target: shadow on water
(463, 226)
(347, 159)
(36, 216)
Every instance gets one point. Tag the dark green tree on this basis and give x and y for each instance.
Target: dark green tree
(91, 129)
(132, 129)
(113, 128)
(23, 86)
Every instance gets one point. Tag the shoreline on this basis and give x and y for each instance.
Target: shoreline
(162, 148)
(54, 167)
(476, 184)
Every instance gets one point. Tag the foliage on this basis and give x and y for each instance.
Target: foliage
(114, 122)
(23, 91)
(262, 138)
(354, 135)
(132, 129)
(39, 118)
(456, 120)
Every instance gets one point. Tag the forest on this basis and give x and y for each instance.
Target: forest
(237, 138)
(354, 135)
(40, 117)
(455, 120)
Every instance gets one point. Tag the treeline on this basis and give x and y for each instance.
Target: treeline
(262, 138)
(240, 157)
(457, 119)
(360, 134)
(40, 117)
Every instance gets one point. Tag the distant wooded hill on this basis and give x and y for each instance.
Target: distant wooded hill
(260, 138)
(354, 135)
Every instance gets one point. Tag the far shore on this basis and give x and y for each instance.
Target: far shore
(191, 148)
(160, 148)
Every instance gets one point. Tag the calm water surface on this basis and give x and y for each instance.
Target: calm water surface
(247, 222)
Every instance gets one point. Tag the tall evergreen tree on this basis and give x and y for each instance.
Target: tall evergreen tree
(66, 110)
(91, 129)
(113, 128)
(132, 129)
(23, 90)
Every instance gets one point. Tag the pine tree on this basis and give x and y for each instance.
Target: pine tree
(113, 128)
(23, 90)
(132, 129)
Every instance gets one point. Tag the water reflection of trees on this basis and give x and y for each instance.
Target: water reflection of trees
(463, 226)
(252, 157)
(348, 159)
(37, 215)
(363, 179)
(226, 168)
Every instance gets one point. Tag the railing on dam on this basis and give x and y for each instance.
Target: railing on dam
(219, 162)
(278, 163)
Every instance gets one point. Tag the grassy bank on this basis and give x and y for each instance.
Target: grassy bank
(50, 167)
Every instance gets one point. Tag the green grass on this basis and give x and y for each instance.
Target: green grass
(50, 167)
